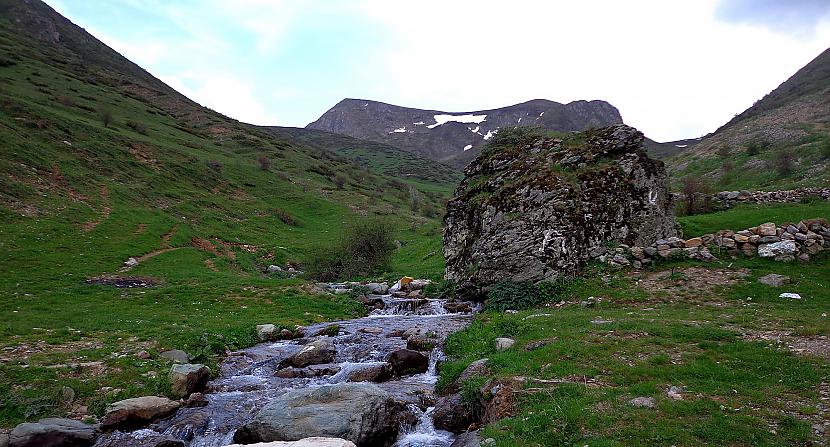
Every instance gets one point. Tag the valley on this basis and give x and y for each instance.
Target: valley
(499, 250)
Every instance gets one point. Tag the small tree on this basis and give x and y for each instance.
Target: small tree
(785, 162)
(105, 115)
(339, 182)
(696, 193)
(264, 162)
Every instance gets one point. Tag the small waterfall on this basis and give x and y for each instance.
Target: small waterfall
(424, 434)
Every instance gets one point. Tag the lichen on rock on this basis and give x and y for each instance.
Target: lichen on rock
(534, 206)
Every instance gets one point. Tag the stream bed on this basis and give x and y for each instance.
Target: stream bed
(248, 378)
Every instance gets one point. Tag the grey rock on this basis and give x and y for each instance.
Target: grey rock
(307, 442)
(175, 355)
(452, 414)
(774, 280)
(477, 368)
(53, 432)
(274, 268)
(267, 332)
(785, 248)
(643, 402)
(503, 343)
(321, 350)
(138, 411)
(359, 412)
(379, 372)
(187, 378)
(378, 288)
(556, 227)
(406, 361)
(469, 439)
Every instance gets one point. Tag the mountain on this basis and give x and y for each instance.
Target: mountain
(456, 138)
(782, 141)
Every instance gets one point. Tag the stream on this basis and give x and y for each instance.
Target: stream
(247, 379)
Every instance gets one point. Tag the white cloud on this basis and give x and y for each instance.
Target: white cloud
(670, 67)
(225, 93)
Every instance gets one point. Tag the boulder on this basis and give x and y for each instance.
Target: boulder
(377, 288)
(532, 215)
(175, 355)
(421, 342)
(774, 280)
(138, 411)
(321, 350)
(643, 402)
(274, 268)
(406, 361)
(362, 413)
(776, 249)
(188, 378)
(469, 439)
(452, 414)
(307, 442)
(146, 439)
(503, 343)
(379, 372)
(53, 432)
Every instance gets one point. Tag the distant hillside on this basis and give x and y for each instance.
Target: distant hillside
(782, 141)
(379, 157)
(456, 138)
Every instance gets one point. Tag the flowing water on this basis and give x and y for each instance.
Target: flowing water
(247, 379)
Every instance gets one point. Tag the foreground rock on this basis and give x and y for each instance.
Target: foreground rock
(138, 411)
(319, 351)
(307, 442)
(188, 379)
(405, 362)
(359, 412)
(53, 432)
(453, 414)
(537, 209)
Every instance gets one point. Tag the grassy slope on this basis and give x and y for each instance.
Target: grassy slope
(77, 198)
(738, 391)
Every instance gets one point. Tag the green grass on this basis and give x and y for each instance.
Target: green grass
(737, 391)
(746, 216)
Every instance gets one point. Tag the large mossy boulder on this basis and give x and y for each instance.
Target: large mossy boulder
(536, 207)
(359, 412)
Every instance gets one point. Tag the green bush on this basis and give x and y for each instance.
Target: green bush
(513, 295)
(440, 289)
(366, 248)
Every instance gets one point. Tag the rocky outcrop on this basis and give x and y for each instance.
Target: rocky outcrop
(135, 412)
(534, 207)
(359, 412)
(53, 432)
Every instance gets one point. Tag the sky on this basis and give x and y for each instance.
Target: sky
(675, 69)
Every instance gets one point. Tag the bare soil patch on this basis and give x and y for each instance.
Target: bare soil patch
(691, 283)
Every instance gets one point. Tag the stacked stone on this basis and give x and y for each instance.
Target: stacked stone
(786, 243)
(728, 199)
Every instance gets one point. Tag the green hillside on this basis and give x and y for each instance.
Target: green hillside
(100, 162)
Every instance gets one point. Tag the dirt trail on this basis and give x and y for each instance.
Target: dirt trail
(105, 211)
(165, 248)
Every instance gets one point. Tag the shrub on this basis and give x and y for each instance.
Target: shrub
(696, 193)
(441, 289)
(264, 162)
(513, 295)
(784, 163)
(215, 165)
(138, 127)
(824, 148)
(285, 217)
(365, 247)
(756, 146)
(339, 182)
(106, 116)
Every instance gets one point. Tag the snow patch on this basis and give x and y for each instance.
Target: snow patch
(475, 130)
(541, 113)
(400, 130)
(419, 123)
(467, 119)
(468, 147)
(490, 134)
(680, 145)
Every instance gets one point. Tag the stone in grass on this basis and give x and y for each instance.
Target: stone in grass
(52, 432)
(175, 355)
(643, 402)
(792, 296)
(503, 343)
(774, 280)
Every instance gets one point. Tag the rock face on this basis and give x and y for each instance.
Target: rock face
(534, 208)
(359, 412)
(53, 432)
(130, 413)
(456, 138)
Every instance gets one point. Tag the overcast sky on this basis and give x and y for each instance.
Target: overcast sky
(675, 69)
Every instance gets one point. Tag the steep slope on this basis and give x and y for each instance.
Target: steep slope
(456, 138)
(782, 141)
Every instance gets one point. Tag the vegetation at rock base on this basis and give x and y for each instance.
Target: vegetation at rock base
(366, 247)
